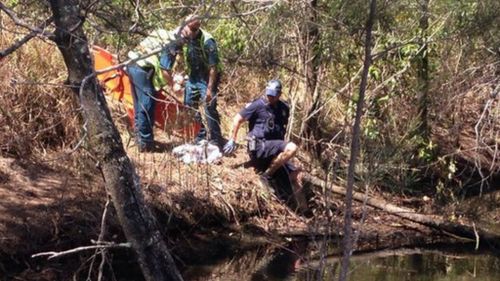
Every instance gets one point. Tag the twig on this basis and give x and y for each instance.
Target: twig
(25, 39)
(477, 236)
(22, 23)
(478, 132)
(100, 239)
(106, 245)
(230, 208)
(137, 16)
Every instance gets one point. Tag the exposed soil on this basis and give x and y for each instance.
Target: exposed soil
(46, 206)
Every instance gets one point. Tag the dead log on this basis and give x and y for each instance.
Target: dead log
(456, 230)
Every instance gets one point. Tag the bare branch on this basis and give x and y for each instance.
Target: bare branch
(480, 143)
(22, 23)
(136, 12)
(52, 254)
(24, 40)
(100, 239)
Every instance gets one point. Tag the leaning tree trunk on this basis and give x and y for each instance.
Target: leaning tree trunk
(121, 181)
(310, 129)
(347, 241)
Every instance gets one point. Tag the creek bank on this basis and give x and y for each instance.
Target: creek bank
(52, 208)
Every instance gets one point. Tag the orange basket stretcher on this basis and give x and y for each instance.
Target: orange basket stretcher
(170, 115)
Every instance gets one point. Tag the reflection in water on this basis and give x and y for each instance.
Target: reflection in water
(283, 263)
(428, 267)
(296, 261)
(263, 264)
(293, 262)
(416, 265)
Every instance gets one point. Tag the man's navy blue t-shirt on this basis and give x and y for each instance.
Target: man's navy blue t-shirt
(198, 64)
(266, 121)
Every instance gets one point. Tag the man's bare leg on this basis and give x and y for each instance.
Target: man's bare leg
(282, 158)
(298, 192)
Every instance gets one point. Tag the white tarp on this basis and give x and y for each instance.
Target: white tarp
(203, 152)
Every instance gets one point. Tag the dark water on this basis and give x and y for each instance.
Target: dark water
(289, 263)
(427, 267)
(297, 261)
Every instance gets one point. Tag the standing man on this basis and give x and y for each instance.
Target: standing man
(148, 76)
(267, 148)
(204, 70)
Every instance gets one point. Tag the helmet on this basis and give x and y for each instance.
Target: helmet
(273, 88)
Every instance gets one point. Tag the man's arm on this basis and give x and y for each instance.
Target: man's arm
(237, 121)
(230, 146)
(213, 60)
(212, 76)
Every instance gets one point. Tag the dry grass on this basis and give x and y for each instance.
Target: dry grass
(210, 195)
(40, 120)
(36, 115)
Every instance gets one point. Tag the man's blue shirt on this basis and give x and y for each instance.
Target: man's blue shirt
(195, 58)
(266, 121)
(199, 60)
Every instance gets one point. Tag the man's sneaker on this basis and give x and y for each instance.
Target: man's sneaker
(148, 147)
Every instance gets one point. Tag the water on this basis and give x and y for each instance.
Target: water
(428, 267)
(299, 261)
(416, 264)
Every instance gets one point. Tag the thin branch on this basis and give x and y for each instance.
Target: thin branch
(479, 142)
(100, 239)
(24, 40)
(22, 23)
(137, 15)
(53, 254)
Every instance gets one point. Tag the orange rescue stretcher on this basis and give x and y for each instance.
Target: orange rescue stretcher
(170, 115)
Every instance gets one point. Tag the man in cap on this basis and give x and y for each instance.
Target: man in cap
(204, 71)
(267, 148)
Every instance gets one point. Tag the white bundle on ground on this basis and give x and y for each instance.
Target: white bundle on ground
(203, 152)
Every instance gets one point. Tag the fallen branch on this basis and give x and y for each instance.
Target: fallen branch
(455, 230)
(80, 249)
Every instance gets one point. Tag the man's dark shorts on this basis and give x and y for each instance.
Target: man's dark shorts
(265, 152)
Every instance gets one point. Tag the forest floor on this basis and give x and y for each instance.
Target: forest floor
(47, 208)
(44, 203)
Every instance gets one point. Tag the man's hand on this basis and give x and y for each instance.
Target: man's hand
(229, 147)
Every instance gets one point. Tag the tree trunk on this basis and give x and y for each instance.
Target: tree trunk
(312, 60)
(121, 181)
(422, 61)
(347, 241)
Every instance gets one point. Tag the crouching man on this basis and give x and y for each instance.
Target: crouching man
(267, 148)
